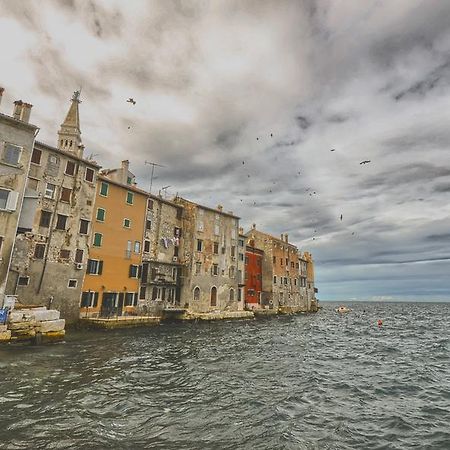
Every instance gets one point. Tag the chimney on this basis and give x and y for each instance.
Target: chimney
(1, 94)
(125, 169)
(282, 237)
(286, 237)
(26, 112)
(254, 226)
(17, 109)
(241, 230)
(220, 207)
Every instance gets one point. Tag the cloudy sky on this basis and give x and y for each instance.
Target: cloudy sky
(243, 101)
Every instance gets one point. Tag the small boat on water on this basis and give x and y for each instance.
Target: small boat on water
(343, 309)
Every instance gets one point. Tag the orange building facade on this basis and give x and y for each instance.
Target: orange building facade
(111, 283)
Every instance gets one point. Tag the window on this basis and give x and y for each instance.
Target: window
(198, 268)
(53, 159)
(199, 245)
(1, 244)
(292, 264)
(241, 257)
(129, 199)
(147, 246)
(72, 284)
(98, 237)
(274, 259)
(285, 280)
(177, 232)
(175, 250)
(33, 183)
(50, 191)
(89, 299)
(215, 269)
(101, 214)
(281, 261)
(241, 242)
(104, 187)
(233, 251)
(150, 204)
(65, 194)
(126, 223)
(133, 271)
(70, 168)
(39, 251)
(231, 271)
(213, 296)
(295, 281)
(61, 222)
(23, 281)
(79, 255)
(36, 156)
(84, 226)
(129, 180)
(130, 299)
(287, 262)
(231, 295)
(197, 294)
(174, 273)
(137, 247)
(64, 254)
(89, 174)
(11, 154)
(142, 292)
(46, 217)
(216, 248)
(94, 267)
(274, 279)
(246, 260)
(148, 224)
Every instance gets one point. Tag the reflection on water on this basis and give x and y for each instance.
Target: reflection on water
(321, 381)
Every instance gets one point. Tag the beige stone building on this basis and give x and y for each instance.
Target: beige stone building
(209, 280)
(54, 232)
(16, 144)
(162, 255)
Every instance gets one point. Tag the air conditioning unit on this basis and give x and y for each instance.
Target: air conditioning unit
(79, 266)
(175, 259)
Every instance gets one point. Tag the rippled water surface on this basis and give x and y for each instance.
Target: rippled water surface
(320, 381)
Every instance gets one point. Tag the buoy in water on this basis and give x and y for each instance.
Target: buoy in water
(380, 322)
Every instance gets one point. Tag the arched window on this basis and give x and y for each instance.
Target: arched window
(197, 293)
(213, 296)
(66, 143)
(231, 295)
(70, 145)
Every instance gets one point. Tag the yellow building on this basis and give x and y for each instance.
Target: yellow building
(111, 284)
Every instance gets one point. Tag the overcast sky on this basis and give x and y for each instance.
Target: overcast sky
(243, 101)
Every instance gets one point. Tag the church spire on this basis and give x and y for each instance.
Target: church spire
(69, 135)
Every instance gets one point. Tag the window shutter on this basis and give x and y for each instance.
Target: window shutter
(154, 293)
(88, 268)
(11, 203)
(130, 271)
(139, 272)
(84, 299)
(144, 276)
(95, 299)
(100, 267)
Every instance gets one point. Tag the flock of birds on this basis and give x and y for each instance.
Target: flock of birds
(133, 102)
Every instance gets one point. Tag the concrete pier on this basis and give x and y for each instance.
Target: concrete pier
(120, 322)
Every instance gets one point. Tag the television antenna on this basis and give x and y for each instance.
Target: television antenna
(148, 163)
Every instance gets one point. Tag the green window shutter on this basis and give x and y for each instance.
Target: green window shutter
(101, 214)
(97, 240)
(100, 267)
(95, 300)
(104, 189)
(130, 198)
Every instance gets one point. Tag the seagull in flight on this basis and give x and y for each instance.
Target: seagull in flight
(131, 100)
(364, 162)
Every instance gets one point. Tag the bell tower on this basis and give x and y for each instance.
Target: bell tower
(69, 134)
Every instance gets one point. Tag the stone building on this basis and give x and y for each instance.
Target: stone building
(16, 144)
(253, 275)
(54, 229)
(162, 251)
(311, 289)
(111, 285)
(241, 268)
(209, 281)
(280, 272)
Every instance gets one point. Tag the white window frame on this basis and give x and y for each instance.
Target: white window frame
(11, 200)
(47, 190)
(137, 244)
(129, 223)
(72, 287)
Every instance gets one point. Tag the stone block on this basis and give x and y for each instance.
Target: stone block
(15, 316)
(15, 326)
(3, 328)
(53, 336)
(42, 316)
(5, 336)
(51, 325)
(23, 334)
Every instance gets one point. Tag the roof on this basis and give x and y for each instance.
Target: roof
(129, 187)
(278, 240)
(68, 154)
(19, 122)
(218, 211)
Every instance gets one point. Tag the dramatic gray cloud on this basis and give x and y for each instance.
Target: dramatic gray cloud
(243, 101)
